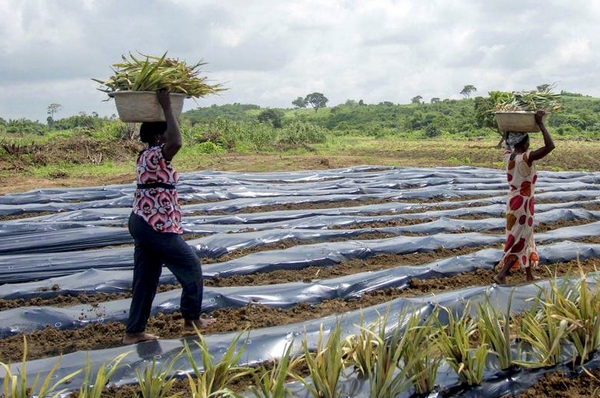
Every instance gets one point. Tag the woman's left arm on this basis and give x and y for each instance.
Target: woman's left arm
(173, 134)
(548, 142)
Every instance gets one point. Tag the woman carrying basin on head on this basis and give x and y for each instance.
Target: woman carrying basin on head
(520, 250)
(155, 224)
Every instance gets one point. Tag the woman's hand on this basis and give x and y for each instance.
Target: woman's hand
(172, 135)
(163, 98)
(548, 142)
(539, 118)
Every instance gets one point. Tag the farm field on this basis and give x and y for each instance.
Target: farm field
(282, 253)
(342, 177)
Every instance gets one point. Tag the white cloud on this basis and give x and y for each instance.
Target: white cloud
(271, 51)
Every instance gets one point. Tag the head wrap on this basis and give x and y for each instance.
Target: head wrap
(515, 138)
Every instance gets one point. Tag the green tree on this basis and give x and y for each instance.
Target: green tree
(361, 103)
(2, 122)
(299, 102)
(316, 100)
(273, 116)
(484, 116)
(435, 100)
(25, 126)
(416, 100)
(467, 90)
(51, 110)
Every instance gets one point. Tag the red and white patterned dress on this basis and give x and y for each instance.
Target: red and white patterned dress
(157, 203)
(520, 209)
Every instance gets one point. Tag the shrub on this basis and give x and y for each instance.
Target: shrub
(82, 121)
(302, 133)
(209, 147)
(272, 116)
(25, 126)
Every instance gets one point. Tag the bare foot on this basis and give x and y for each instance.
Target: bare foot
(192, 325)
(529, 275)
(501, 280)
(134, 338)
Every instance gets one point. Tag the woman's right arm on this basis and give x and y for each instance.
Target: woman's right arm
(548, 142)
(173, 134)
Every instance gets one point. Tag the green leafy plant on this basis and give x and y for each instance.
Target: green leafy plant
(213, 378)
(15, 385)
(151, 73)
(157, 383)
(494, 328)
(421, 360)
(454, 342)
(272, 383)
(360, 349)
(386, 379)
(543, 332)
(325, 366)
(93, 388)
(579, 306)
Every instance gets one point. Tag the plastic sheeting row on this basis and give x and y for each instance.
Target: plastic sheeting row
(27, 319)
(94, 237)
(235, 195)
(268, 343)
(224, 185)
(21, 268)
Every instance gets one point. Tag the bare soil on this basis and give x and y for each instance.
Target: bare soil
(592, 207)
(559, 385)
(545, 227)
(25, 215)
(385, 224)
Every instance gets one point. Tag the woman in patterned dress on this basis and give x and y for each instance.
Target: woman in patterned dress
(155, 224)
(519, 249)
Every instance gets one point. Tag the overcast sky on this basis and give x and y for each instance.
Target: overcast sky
(271, 51)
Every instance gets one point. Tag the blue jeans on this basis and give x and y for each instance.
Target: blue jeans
(152, 250)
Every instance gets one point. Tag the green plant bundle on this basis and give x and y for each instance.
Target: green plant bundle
(360, 350)
(16, 385)
(157, 383)
(541, 331)
(272, 383)
(386, 378)
(93, 387)
(212, 380)
(454, 342)
(325, 365)
(494, 328)
(151, 73)
(420, 357)
(579, 307)
(530, 101)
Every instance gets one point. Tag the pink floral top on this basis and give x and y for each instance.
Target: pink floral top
(156, 199)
